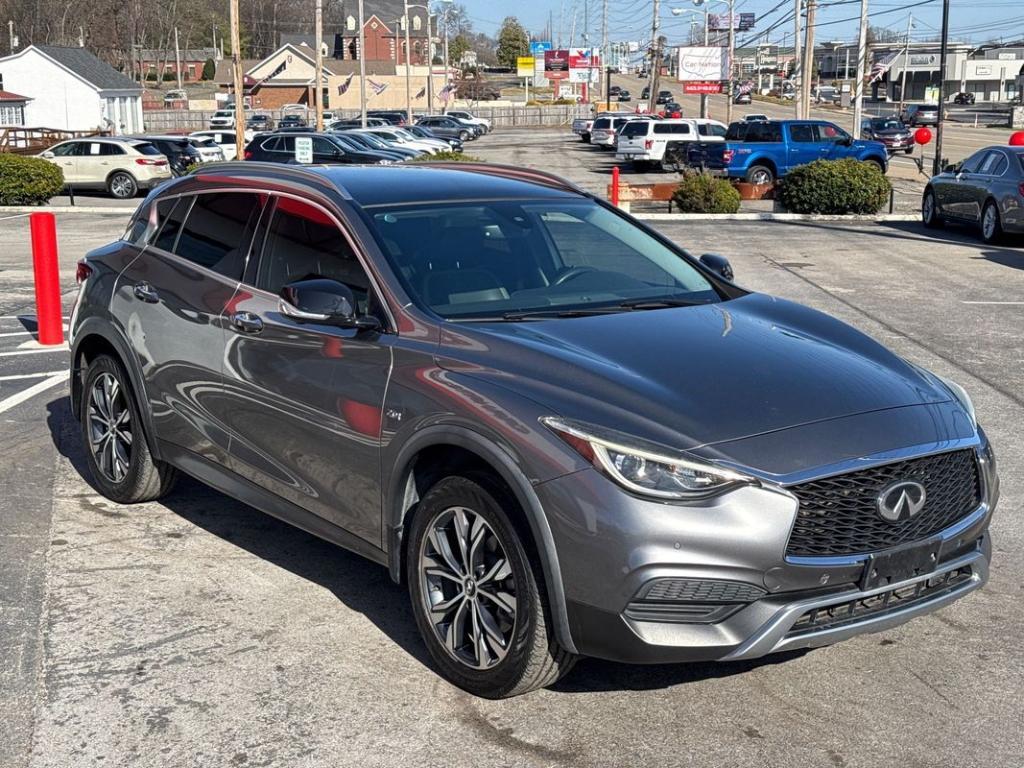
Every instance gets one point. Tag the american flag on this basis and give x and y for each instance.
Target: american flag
(422, 93)
(378, 88)
(277, 71)
(343, 87)
(882, 65)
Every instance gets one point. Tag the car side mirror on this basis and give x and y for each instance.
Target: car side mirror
(48, 155)
(951, 168)
(324, 301)
(718, 264)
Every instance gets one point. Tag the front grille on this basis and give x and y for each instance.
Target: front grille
(838, 515)
(680, 590)
(853, 611)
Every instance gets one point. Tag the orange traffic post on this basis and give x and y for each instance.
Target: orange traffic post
(615, 186)
(44, 262)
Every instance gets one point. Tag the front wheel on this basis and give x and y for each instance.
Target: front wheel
(878, 164)
(908, 151)
(463, 135)
(122, 186)
(991, 226)
(476, 595)
(929, 213)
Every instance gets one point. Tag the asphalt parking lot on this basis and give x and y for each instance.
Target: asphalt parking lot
(199, 632)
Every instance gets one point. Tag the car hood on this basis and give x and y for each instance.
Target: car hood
(693, 376)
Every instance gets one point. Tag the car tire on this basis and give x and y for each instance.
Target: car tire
(930, 215)
(122, 185)
(991, 226)
(759, 174)
(494, 635)
(908, 151)
(463, 135)
(878, 164)
(641, 166)
(116, 450)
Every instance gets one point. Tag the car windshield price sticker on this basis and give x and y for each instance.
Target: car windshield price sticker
(304, 149)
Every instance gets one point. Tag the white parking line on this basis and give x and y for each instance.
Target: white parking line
(17, 399)
(22, 333)
(63, 348)
(20, 376)
(998, 303)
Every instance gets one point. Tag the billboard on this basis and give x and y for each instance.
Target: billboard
(719, 22)
(537, 48)
(556, 64)
(584, 65)
(702, 63)
(524, 66)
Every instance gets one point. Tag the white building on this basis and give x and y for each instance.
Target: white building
(70, 89)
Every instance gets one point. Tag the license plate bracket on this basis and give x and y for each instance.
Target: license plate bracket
(901, 563)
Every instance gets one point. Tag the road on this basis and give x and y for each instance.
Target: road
(199, 632)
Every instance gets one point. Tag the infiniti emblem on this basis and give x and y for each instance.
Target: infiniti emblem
(901, 500)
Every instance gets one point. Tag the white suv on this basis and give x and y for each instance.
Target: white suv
(643, 142)
(223, 118)
(120, 166)
(469, 117)
(605, 129)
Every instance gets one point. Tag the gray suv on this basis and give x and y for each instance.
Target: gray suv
(565, 434)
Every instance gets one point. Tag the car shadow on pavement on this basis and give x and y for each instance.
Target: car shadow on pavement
(912, 230)
(361, 585)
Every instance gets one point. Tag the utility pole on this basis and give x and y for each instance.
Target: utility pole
(561, 19)
(729, 77)
(797, 74)
(808, 65)
(906, 62)
(704, 98)
(604, 56)
(362, 66)
(236, 72)
(431, 27)
(862, 61)
(177, 58)
(937, 164)
(652, 80)
(408, 59)
(318, 90)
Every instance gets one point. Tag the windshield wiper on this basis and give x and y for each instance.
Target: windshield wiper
(546, 314)
(659, 303)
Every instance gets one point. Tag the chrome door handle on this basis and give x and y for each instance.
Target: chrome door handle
(145, 292)
(246, 322)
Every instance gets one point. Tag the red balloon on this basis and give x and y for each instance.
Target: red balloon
(1017, 139)
(922, 135)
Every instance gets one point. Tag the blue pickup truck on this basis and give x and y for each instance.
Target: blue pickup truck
(760, 152)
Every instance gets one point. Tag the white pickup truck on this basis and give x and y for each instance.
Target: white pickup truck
(645, 142)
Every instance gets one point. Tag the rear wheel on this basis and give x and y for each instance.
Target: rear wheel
(760, 174)
(991, 226)
(122, 186)
(929, 213)
(122, 467)
(463, 135)
(478, 601)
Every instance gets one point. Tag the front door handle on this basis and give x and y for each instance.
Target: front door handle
(145, 292)
(246, 322)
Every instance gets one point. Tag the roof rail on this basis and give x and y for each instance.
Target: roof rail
(511, 172)
(258, 167)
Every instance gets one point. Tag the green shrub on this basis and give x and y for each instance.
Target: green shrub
(209, 70)
(704, 193)
(835, 187)
(446, 157)
(28, 180)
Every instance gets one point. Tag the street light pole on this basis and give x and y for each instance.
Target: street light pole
(652, 80)
(937, 163)
(729, 77)
(408, 61)
(362, 66)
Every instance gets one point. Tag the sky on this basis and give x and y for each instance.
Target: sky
(972, 21)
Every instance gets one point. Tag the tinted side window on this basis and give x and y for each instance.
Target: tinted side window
(111, 149)
(736, 132)
(802, 133)
(218, 230)
(972, 163)
(170, 214)
(303, 242)
(764, 132)
(66, 150)
(271, 144)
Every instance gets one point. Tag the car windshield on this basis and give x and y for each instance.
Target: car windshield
(886, 124)
(494, 260)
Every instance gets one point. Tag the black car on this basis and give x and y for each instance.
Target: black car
(446, 127)
(664, 97)
(426, 133)
(280, 148)
(291, 121)
(614, 90)
(625, 96)
(963, 98)
(390, 117)
(742, 98)
(259, 122)
(180, 153)
(646, 92)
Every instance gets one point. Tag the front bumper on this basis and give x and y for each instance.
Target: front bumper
(613, 547)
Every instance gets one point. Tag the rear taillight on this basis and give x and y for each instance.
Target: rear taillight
(727, 156)
(82, 272)
(649, 144)
(247, 155)
(149, 161)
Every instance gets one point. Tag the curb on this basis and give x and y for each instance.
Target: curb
(766, 216)
(22, 209)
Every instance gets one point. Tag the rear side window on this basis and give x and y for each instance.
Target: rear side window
(673, 128)
(170, 214)
(736, 132)
(272, 144)
(111, 149)
(764, 132)
(602, 122)
(218, 230)
(146, 149)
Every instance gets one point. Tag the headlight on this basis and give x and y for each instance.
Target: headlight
(961, 397)
(642, 468)
(384, 162)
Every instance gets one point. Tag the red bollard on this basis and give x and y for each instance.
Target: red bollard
(615, 186)
(44, 262)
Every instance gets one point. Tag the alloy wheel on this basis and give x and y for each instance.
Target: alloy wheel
(988, 222)
(928, 209)
(121, 186)
(110, 428)
(468, 588)
(761, 177)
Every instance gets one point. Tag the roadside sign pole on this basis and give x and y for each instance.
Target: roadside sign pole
(937, 163)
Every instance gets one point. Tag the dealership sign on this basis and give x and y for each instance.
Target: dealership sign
(556, 64)
(525, 66)
(697, 86)
(719, 22)
(702, 63)
(537, 48)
